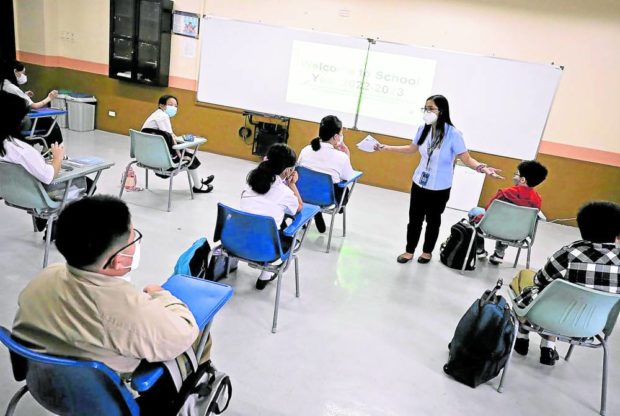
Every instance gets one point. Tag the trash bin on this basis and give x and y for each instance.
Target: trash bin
(60, 102)
(81, 111)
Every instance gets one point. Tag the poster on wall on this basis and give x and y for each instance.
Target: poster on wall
(186, 24)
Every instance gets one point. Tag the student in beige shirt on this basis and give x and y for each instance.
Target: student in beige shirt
(88, 308)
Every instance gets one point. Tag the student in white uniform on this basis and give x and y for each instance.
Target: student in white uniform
(159, 123)
(272, 192)
(14, 74)
(327, 153)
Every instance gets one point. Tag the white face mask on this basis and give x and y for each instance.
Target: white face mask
(21, 79)
(429, 117)
(340, 139)
(135, 258)
(617, 243)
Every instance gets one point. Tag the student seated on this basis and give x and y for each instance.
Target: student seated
(12, 75)
(159, 123)
(327, 153)
(87, 308)
(529, 174)
(272, 192)
(592, 262)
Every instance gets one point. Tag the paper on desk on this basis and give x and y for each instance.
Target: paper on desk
(368, 144)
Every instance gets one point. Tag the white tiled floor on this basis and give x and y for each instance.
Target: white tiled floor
(367, 337)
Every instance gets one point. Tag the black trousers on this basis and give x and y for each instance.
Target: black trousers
(338, 191)
(428, 205)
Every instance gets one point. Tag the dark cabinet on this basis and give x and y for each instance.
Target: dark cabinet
(140, 33)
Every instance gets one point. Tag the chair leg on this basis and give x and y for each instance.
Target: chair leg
(189, 180)
(275, 309)
(605, 374)
(517, 258)
(146, 179)
(16, 398)
(34, 223)
(331, 229)
(500, 388)
(344, 221)
(570, 351)
(296, 276)
(529, 252)
(123, 179)
(48, 239)
(170, 193)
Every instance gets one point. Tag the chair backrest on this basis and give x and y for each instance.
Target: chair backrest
(248, 236)
(573, 310)
(19, 188)
(315, 188)
(150, 150)
(69, 387)
(509, 222)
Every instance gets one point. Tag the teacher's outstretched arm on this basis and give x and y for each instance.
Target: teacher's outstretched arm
(479, 167)
(407, 149)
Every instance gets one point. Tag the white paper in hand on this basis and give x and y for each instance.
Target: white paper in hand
(368, 144)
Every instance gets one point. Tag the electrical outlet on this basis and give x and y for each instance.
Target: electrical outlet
(112, 113)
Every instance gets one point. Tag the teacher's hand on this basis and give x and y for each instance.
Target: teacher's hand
(492, 172)
(379, 147)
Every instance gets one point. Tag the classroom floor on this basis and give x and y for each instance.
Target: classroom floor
(367, 337)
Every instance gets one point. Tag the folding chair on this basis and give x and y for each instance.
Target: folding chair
(21, 190)
(150, 152)
(317, 188)
(512, 225)
(255, 240)
(574, 314)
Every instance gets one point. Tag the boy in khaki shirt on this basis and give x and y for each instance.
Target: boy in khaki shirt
(88, 309)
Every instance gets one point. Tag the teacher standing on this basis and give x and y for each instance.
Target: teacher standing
(439, 144)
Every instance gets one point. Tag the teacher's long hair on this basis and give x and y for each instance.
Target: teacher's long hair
(444, 118)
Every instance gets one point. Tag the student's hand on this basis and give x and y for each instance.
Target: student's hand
(152, 289)
(30, 94)
(58, 152)
(53, 94)
(292, 178)
(342, 147)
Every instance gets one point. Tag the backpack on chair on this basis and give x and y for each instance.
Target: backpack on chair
(482, 340)
(200, 261)
(459, 246)
(207, 392)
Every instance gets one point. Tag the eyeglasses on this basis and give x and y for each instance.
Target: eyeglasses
(125, 247)
(428, 109)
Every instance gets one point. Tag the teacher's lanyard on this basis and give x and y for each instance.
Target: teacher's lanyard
(433, 144)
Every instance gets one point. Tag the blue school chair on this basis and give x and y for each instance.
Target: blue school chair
(20, 189)
(511, 224)
(255, 240)
(317, 188)
(574, 314)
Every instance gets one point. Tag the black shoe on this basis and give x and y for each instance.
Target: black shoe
(320, 223)
(522, 345)
(548, 356)
(203, 189)
(402, 259)
(496, 259)
(40, 223)
(261, 284)
(424, 260)
(208, 180)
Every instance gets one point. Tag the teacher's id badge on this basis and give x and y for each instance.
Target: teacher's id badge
(424, 178)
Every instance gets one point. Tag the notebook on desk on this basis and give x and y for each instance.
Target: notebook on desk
(78, 162)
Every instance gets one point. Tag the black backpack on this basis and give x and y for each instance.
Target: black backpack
(460, 245)
(482, 340)
(200, 261)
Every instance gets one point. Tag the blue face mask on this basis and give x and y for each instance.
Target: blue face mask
(171, 110)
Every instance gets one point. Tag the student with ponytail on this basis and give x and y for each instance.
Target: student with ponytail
(272, 192)
(327, 153)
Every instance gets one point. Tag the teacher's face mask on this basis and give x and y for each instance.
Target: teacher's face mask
(429, 117)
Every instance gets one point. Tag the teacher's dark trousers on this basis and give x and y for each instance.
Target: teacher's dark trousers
(428, 205)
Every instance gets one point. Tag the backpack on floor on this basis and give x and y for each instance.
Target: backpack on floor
(207, 392)
(459, 246)
(200, 261)
(482, 340)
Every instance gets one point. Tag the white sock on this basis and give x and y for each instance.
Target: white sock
(545, 343)
(523, 336)
(264, 275)
(195, 178)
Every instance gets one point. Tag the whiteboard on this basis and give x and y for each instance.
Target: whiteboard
(500, 105)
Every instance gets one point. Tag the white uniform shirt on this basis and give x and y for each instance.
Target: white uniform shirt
(11, 88)
(279, 200)
(159, 120)
(24, 154)
(328, 160)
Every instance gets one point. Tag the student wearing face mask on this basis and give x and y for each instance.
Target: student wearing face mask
(439, 144)
(328, 153)
(86, 308)
(159, 123)
(13, 75)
